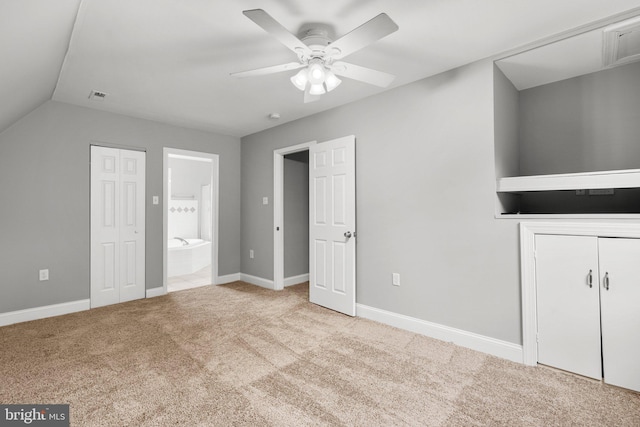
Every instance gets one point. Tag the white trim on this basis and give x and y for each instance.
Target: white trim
(528, 230)
(278, 209)
(37, 313)
(156, 292)
(598, 24)
(495, 347)
(628, 178)
(294, 280)
(214, 159)
(258, 281)
(229, 278)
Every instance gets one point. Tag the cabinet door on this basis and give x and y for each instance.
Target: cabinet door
(568, 309)
(620, 305)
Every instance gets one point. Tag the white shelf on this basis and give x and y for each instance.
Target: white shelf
(629, 178)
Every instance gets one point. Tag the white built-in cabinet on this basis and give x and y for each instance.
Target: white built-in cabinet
(588, 306)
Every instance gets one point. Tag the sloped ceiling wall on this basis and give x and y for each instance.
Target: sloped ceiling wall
(34, 37)
(170, 60)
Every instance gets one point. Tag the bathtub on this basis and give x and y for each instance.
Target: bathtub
(186, 259)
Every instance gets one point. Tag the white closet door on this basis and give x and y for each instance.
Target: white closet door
(117, 225)
(567, 307)
(620, 305)
(105, 218)
(132, 229)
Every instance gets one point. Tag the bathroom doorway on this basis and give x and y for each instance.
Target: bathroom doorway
(190, 219)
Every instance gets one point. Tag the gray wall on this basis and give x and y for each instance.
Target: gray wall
(425, 183)
(586, 123)
(188, 177)
(44, 198)
(506, 123)
(296, 214)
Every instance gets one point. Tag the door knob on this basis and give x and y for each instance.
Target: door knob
(347, 234)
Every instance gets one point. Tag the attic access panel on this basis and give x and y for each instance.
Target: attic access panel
(621, 43)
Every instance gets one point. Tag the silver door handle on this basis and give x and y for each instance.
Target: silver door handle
(590, 279)
(605, 282)
(347, 234)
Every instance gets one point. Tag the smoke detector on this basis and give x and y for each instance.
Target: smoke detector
(621, 43)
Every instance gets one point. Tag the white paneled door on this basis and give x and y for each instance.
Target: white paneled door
(117, 225)
(332, 228)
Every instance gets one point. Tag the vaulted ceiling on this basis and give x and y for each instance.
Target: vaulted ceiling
(170, 60)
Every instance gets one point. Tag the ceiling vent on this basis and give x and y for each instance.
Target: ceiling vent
(97, 95)
(621, 43)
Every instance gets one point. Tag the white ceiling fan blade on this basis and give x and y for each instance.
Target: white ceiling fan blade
(364, 35)
(363, 74)
(273, 27)
(310, 98)
(269, 70)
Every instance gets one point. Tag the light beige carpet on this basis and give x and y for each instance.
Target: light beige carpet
(242, 355)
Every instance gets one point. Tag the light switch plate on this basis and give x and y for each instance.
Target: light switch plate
(395, 279)
(156, 200)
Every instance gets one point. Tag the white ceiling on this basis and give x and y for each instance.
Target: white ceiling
(570, 57)
(170, 60)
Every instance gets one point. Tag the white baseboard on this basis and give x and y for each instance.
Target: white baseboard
(221, 280)
(495, 347)
(294, 280)
(43, 312)
(156, 292)
(258, 281)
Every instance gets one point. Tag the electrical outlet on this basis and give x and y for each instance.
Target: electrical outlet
(44, 274)
(265, 200)
(251, 253)
(395, 279)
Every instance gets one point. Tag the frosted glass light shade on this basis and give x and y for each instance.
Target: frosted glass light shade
(316, 73)
(317, 89)
(331, 81)
(300, 79)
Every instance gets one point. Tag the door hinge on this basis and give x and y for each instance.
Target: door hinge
(537, 340)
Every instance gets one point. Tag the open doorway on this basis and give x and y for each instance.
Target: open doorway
(332, 224)
(190, 219)
(291, 215)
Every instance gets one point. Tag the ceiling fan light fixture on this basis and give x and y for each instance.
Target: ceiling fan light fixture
(316, 89)
(300, 79)
(331, 81)
(316, 73)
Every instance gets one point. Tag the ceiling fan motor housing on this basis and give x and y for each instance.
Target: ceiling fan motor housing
(317, 38)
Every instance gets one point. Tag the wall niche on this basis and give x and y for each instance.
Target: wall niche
(567, 125)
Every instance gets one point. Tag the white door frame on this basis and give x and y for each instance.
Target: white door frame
(528, 231)
(215, 188)
(278, 210)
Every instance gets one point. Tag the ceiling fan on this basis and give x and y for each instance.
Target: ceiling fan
(320, 57)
